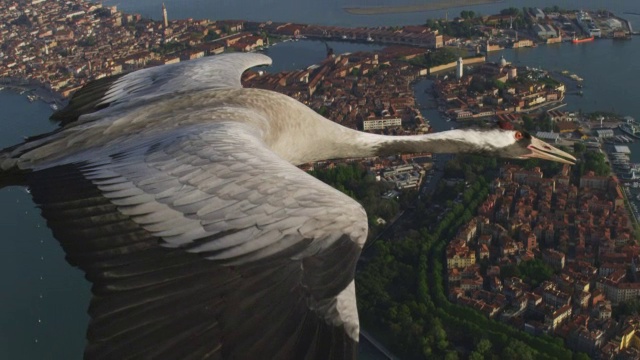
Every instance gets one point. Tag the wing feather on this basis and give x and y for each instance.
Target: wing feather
(214, 72)
(246, 258)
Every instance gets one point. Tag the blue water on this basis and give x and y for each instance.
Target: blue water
(28, 252)
(330, 12)
(299, 54)
(43, 299)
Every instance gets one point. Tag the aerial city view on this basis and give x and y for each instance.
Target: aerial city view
(471, 252)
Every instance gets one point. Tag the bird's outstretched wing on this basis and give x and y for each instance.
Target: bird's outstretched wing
(215, 72)
(202, 243)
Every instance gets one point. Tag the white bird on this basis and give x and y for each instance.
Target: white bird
(176, 191)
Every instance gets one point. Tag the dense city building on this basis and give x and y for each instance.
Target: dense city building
(582, 234)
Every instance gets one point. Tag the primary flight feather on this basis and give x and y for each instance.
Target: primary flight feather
(176, 191)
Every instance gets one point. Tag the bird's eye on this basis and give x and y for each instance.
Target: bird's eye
(519, 135)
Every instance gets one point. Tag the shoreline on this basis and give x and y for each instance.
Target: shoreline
(383, 10)
(41, 91)
(35, 88)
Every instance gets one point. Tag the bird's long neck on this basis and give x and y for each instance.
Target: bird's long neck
(353, 144)
(453, 141)
(300, 135)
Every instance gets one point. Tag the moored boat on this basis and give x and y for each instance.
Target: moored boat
(576, 40)
(630, 130)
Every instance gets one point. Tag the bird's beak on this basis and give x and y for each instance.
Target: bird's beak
(542, 150)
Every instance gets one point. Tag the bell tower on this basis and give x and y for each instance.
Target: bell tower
(165, 19)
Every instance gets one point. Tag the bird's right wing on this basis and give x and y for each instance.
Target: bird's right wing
(204, 243)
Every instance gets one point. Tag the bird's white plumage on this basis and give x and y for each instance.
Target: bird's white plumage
(196, 75)
(490, 139)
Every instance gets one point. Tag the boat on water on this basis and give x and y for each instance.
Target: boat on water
(576, 77)
(53, 107)
(630, 130)
(576, 40)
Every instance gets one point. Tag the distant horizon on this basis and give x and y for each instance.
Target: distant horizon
(331, 12)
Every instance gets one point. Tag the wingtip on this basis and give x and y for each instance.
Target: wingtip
(263, 59)
(11, 177)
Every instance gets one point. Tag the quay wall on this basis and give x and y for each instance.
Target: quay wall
(467, 61)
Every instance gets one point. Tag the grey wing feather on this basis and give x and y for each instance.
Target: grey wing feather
(197, 182)
(215, 72)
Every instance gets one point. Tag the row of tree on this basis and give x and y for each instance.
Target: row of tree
(438, 57)
(469, 26)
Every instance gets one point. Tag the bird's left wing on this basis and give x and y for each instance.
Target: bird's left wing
(204, 243)
(213, 72)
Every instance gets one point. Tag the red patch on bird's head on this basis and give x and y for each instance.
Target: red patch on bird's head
(505, 125)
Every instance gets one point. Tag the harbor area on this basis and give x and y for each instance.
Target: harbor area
(628, 173)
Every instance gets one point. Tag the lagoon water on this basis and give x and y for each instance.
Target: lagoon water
(31, 261)
(43, 299)
(331, 12)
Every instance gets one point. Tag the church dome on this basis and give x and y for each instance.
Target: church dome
(503, 61)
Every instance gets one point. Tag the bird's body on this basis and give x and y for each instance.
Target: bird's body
(176, 191)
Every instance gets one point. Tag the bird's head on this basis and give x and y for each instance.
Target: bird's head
(515, 144)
